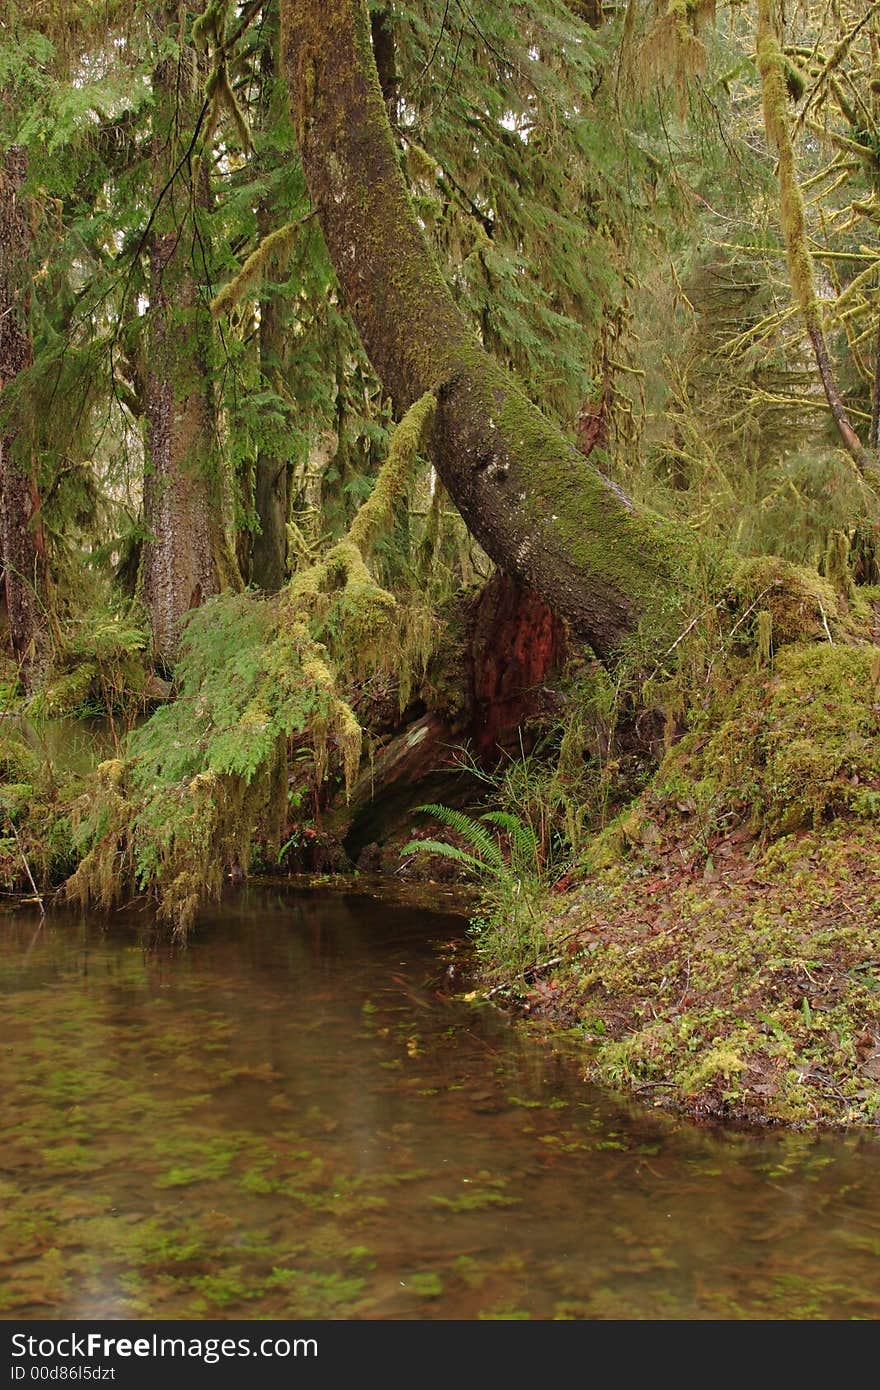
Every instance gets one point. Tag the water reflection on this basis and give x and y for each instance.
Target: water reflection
(293, 1119)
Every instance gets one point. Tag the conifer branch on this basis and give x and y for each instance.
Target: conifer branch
(800, 261)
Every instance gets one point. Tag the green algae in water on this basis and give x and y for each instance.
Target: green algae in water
(212, 1133)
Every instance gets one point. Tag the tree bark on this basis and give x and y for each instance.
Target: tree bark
(269, 552)
(542, 512)
(382, 37)
(187, 556)
(271, 478)
(22, 550)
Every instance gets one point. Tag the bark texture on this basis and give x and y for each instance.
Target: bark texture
(269, 556)
(541, 511)
(186, 557)
(269, 552)
(22, 551)
(517, 644)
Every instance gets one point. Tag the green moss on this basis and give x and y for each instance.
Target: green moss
(36, 793)
(719, 1064)
(783, 746)
(377, 514)
(774, 73)
(802, 606)
(720, 950)
(271, 254)
(425, 1285)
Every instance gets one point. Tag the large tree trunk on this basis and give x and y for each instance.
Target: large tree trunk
(187, 556)
(22, 552)
(537, 507)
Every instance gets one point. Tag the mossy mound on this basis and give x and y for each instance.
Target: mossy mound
(723, 951)
(102, 667)
(782, 746)
(800, 603)
(752, 993)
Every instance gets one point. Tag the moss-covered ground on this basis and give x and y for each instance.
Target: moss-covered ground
(720, 950)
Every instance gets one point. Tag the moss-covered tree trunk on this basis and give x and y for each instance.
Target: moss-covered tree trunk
(187, 556)
(269, 553)
(271, 475)
(538, 508)
(22, 551)
(771, 66)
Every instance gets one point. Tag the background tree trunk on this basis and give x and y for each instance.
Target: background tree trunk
(269, 550)
(269, 554)
(187, 556)
(536, 506)
(22, 551)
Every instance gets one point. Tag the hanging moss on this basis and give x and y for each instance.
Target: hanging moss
(271, 253)
(220, 87)
(206, 779)
(836, 567)
(673, 50)
(390, 490)
(210, 25)
(772, 67)
(765, 636)
(37, 788)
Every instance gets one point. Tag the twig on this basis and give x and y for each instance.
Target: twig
(529, 970)
(693, 622)
(687, 985)
(244, 20)
(27, 868)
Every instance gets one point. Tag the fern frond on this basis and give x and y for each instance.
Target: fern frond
(522, 836)
(449, 852)
(479, 839)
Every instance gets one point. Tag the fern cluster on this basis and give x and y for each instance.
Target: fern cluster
(505, 855)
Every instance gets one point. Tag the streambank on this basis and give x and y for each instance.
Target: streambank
(748, 992)
(718, 948)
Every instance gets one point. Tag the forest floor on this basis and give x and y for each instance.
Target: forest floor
(746, 988)
(719, 947)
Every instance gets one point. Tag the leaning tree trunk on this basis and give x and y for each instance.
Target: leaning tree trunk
(22, 552)
(187, 556)
(541, 511)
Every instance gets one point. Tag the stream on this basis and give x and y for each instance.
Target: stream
(294, 1117)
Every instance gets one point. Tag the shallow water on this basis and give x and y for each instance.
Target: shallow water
(293, 1118)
